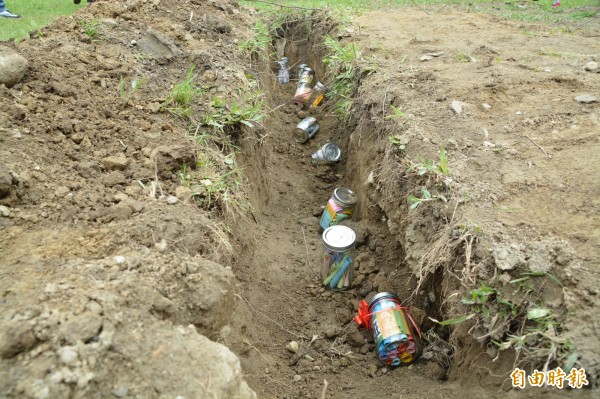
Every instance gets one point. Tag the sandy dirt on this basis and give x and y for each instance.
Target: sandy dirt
(115, 284)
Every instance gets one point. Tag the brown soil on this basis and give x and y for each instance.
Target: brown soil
(115, 276)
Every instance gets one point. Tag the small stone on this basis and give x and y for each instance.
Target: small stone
(161, 246)
(591, 66)
(81, 328)
(120, 197)
(209, 76)
(67, 355)
(292, 346)
(183, 193)
(457, 107)
(120, 392)
(344, 361)
(13, 66)
(4, 211)
(119, 259)
(15, 338)
(155, 109)
(486, 106)
(489, 144)
(512, 151)
(172, 200)
(297, 377)
(371, 178)
(452, 143)
(586, 98)
(316, 368)
(115, 162)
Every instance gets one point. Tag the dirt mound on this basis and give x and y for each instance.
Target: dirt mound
(104, 253)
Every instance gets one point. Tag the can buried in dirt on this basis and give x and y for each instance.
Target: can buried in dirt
(330, 152)
(284, 73)
(306, 129)
(339, 207)
(319, 91)
(337, 268)
(397, 337)
(304, 88)
(301, 68)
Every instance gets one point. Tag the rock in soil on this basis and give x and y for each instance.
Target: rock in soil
(13, 67)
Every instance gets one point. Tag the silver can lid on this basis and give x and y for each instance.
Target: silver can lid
(320, 86)
(339, 238)
(331, 152)
(344, 196)
(383, 295)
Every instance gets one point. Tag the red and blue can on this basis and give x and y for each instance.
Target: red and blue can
(396, 335)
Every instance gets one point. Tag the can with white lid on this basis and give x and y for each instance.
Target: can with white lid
(338, 257)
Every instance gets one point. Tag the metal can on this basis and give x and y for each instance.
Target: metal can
(300, 69)
(304, 88)
(329, 152)
(284, 75)
(393, 329)
(338, 269)
(339, 207)
(306, 129)
(320, 89)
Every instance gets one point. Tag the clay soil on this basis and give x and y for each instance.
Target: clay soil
(104, 251)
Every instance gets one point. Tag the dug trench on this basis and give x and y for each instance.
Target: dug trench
(296, 338)
(291, 333)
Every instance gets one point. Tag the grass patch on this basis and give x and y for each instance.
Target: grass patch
(35, 14)
(340, 63)
(182, 94)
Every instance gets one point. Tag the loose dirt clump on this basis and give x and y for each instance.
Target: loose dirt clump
(113, 268)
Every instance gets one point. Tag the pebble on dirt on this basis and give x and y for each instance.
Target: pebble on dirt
(15, 338)
(115, 162)
(591, 66)
(457, 107)
(13, 67)
(292, 346)
(586, 98)
(81, 328)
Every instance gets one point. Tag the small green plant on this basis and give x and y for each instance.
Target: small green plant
(182, 95)
(340, 62)
(259, 42)
(398, 114)
(464, 57)
(138, 56)
(90, 27)
(427, 166)
(425, 197)
(124, 93)
(399, 141)
(247, 110)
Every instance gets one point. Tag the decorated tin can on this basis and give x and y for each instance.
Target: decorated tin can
(306, 129)
(339, 207)
(304, 88)
(337, 269)
(329, 152)
(394, 330)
